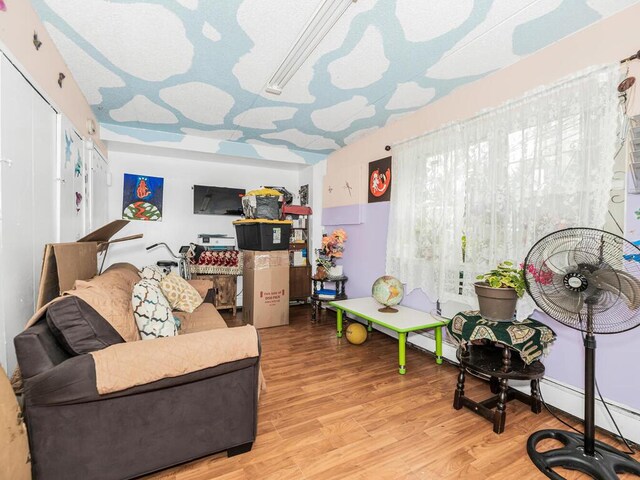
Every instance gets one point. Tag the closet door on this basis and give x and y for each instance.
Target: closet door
(27, 183)
(44, 140)
(16, 258)
(98, 206)
(71, 188)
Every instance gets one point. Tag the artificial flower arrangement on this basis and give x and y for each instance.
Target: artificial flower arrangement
(332, 248)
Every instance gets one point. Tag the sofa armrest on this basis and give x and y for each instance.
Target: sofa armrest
(74, 381)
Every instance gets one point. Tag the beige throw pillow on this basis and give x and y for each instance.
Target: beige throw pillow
(180, 294)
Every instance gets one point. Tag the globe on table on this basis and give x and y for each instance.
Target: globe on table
(388, 291)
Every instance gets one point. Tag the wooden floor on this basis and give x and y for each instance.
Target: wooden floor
(333, 410)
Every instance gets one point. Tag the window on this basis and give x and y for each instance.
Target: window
(475, 193)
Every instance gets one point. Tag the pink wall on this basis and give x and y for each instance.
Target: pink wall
(41, 67)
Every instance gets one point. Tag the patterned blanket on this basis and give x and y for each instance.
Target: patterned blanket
(218, 262)
(529, 337)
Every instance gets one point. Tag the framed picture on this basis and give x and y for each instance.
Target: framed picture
(379, 180)
(142, 198)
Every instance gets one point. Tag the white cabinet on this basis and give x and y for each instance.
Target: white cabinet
(27, 200)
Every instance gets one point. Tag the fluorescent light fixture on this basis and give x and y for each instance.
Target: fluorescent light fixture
(323, 20)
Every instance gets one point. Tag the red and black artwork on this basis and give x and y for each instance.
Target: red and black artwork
(380, 180)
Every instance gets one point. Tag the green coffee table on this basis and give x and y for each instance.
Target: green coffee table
(404, 321)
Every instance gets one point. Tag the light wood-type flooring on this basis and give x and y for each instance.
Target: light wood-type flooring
(333, 410)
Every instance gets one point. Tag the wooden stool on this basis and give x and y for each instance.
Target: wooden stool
(500, 367)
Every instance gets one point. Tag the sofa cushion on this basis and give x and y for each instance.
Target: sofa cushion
(79, 328)
(205, 317)
(109, 294)
(153, 272)
(179, 293)
(152, 311)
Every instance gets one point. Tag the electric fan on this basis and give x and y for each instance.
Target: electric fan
(589, 280)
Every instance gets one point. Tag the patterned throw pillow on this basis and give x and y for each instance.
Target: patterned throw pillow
(153, 272)
(152, 311)
(180, 294)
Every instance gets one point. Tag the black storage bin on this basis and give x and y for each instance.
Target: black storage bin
(262, 236)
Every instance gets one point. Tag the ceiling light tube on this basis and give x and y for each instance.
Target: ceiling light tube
(323, 20)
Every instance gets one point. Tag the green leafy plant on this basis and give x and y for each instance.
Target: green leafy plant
(504, 276)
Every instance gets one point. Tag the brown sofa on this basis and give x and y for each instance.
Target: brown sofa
(77, 433)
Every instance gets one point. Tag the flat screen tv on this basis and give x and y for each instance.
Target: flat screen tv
(217, 200)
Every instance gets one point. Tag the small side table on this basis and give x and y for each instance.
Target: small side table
(498, 365)
(316, 300)
(486, 347)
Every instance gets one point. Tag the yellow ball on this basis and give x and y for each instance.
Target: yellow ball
(356, 333)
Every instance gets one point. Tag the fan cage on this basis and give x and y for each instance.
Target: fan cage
(585, 253)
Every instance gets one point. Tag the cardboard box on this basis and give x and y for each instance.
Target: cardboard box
(265, 291)
(64, 263)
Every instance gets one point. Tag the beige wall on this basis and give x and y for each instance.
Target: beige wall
(41, 67)
(604, 42)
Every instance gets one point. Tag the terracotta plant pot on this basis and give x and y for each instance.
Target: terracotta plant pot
(498, 304)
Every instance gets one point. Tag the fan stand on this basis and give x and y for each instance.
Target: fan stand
(582, 452)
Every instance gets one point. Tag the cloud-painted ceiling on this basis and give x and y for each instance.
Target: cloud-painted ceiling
(199, 67)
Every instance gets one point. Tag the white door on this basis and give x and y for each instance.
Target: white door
(16, 258)
(27, 153)
(45, 216)
(98, 191)
(71, 188)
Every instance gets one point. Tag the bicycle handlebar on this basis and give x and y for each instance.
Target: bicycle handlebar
(166, 246)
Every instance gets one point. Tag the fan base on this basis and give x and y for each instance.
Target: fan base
(604, 465)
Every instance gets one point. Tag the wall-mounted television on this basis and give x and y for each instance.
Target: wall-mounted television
(217, 200)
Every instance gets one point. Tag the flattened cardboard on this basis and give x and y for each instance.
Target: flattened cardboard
(14, 446)
(48, 288)
(64, 263)
(75, 261)
(265, 300)
(104, 233)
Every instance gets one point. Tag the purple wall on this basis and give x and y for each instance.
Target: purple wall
(364, 261)
(366, 247)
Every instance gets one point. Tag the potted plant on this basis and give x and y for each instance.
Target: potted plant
(499, 290)
(332, 248)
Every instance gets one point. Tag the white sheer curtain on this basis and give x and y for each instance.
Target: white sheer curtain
(501, 180)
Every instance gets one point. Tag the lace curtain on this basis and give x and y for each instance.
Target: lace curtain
(475, 193)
